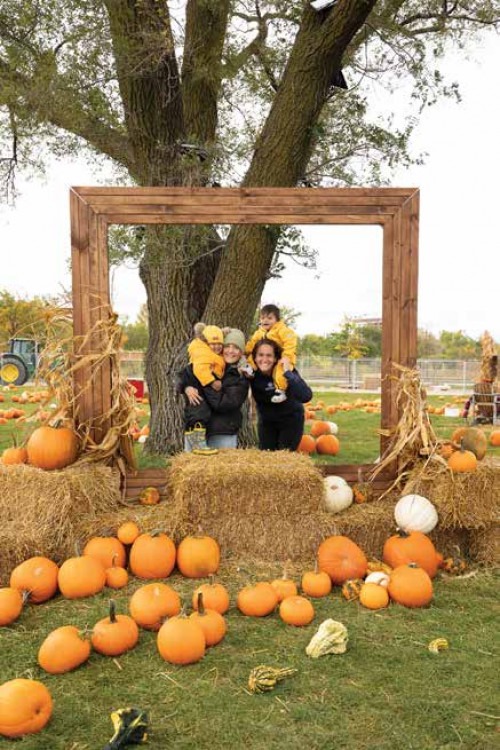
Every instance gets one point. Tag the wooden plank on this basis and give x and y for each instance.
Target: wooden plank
(102, 203)
(90, 191)
(104, 291)
(210, 210)
(75, 200)
(85, 401)
(243, 218)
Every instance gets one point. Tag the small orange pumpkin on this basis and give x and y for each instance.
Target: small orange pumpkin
(211, 622)
(11, 605)
(307, 444)
(116, 576)
(296, 610)
(80, 577)
(128, 532)
(215, 596)
(373, 596)
(181, 641)
(284, 587)
(495, 438)
(116, 634)
(258, 600)
(316, 583)
(52, 447)
(410, 586)
(198, 556)
(149, 496)
(25, 707)
(107, 549)
(14, 455)
(152, 555)
(152, 603)
(319, 428)
(462, 461)
(37, 576)
(63, 649)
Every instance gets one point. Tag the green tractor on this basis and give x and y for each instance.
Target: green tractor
(19, 364)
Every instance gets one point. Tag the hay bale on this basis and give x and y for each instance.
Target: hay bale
(485, 545)
(245, 483)
(468, 501)
(163, 517)
(52, 503)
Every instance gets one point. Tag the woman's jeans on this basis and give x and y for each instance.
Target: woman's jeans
(216, 441)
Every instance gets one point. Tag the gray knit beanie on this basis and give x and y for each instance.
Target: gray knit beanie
(236, 337)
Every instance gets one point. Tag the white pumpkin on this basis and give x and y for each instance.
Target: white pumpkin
(334, 428)
(378, 577)
(338, 494)
(415, 513)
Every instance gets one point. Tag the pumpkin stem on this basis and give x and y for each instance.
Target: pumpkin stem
(402, 533)
(112, 611)
(113, 559)
(201, 606)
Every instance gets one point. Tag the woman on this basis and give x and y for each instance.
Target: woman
(220, 410)
(280, 425)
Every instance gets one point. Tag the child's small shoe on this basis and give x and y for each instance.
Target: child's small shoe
(279, 397)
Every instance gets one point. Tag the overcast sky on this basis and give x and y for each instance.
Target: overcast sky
(459, 256)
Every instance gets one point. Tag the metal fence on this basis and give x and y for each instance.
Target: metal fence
(356, 374)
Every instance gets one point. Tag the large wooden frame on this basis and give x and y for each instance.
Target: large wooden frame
(395, 209)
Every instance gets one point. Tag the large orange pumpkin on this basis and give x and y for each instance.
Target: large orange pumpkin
(198, 556)
(25, 707)
(37, 576)
(215, 596)
(152, 603)
(258, 600)
(403, 548)
(80, 577)
(342, 559)
(410, 586)
(181, 641)
(52, 447)
(152, 556)
(116, 634)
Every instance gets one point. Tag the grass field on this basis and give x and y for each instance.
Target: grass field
(358, 430)
(388, 692)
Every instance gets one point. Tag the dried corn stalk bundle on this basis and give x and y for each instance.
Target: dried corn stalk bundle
(414, 436)
(489, 359)
(62, 359)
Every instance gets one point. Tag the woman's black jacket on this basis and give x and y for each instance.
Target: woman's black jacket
(220, 411)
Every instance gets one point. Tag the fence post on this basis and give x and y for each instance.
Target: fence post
(464, 375)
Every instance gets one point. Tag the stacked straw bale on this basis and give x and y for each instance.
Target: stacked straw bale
(41, 510)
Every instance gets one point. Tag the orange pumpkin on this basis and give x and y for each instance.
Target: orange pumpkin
(14, 455)
(414, 547)
(373, 596)
(37, 576)
(11, 605)
(462, 461)
(410, 586)
(215, 596)
(52, 447)
(307, 444)
(116, 634)
(152, 556)
(128, 532)
(116, 576)
(181, 641)
(328, 445)
(149, 496)
(284, 587)
(342, 559)
(80, 577)
(107, 549)
(296, 610)
(198, 556)
(152, 603)
(495, 438)
(316, 583)
(319, 428)
(25, 707)
(64, 649)
(211, 622)
(258, 600)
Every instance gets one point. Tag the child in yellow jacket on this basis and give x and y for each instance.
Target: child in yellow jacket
(272, 327)
(205, 355)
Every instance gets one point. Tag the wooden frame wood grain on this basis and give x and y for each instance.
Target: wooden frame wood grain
(396, 210)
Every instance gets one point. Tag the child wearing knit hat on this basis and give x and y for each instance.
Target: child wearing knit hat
(205, 355)
(272, 327)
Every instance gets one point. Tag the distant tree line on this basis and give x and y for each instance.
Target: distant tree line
(24, 317)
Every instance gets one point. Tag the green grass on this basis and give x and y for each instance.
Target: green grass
(386, 693)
